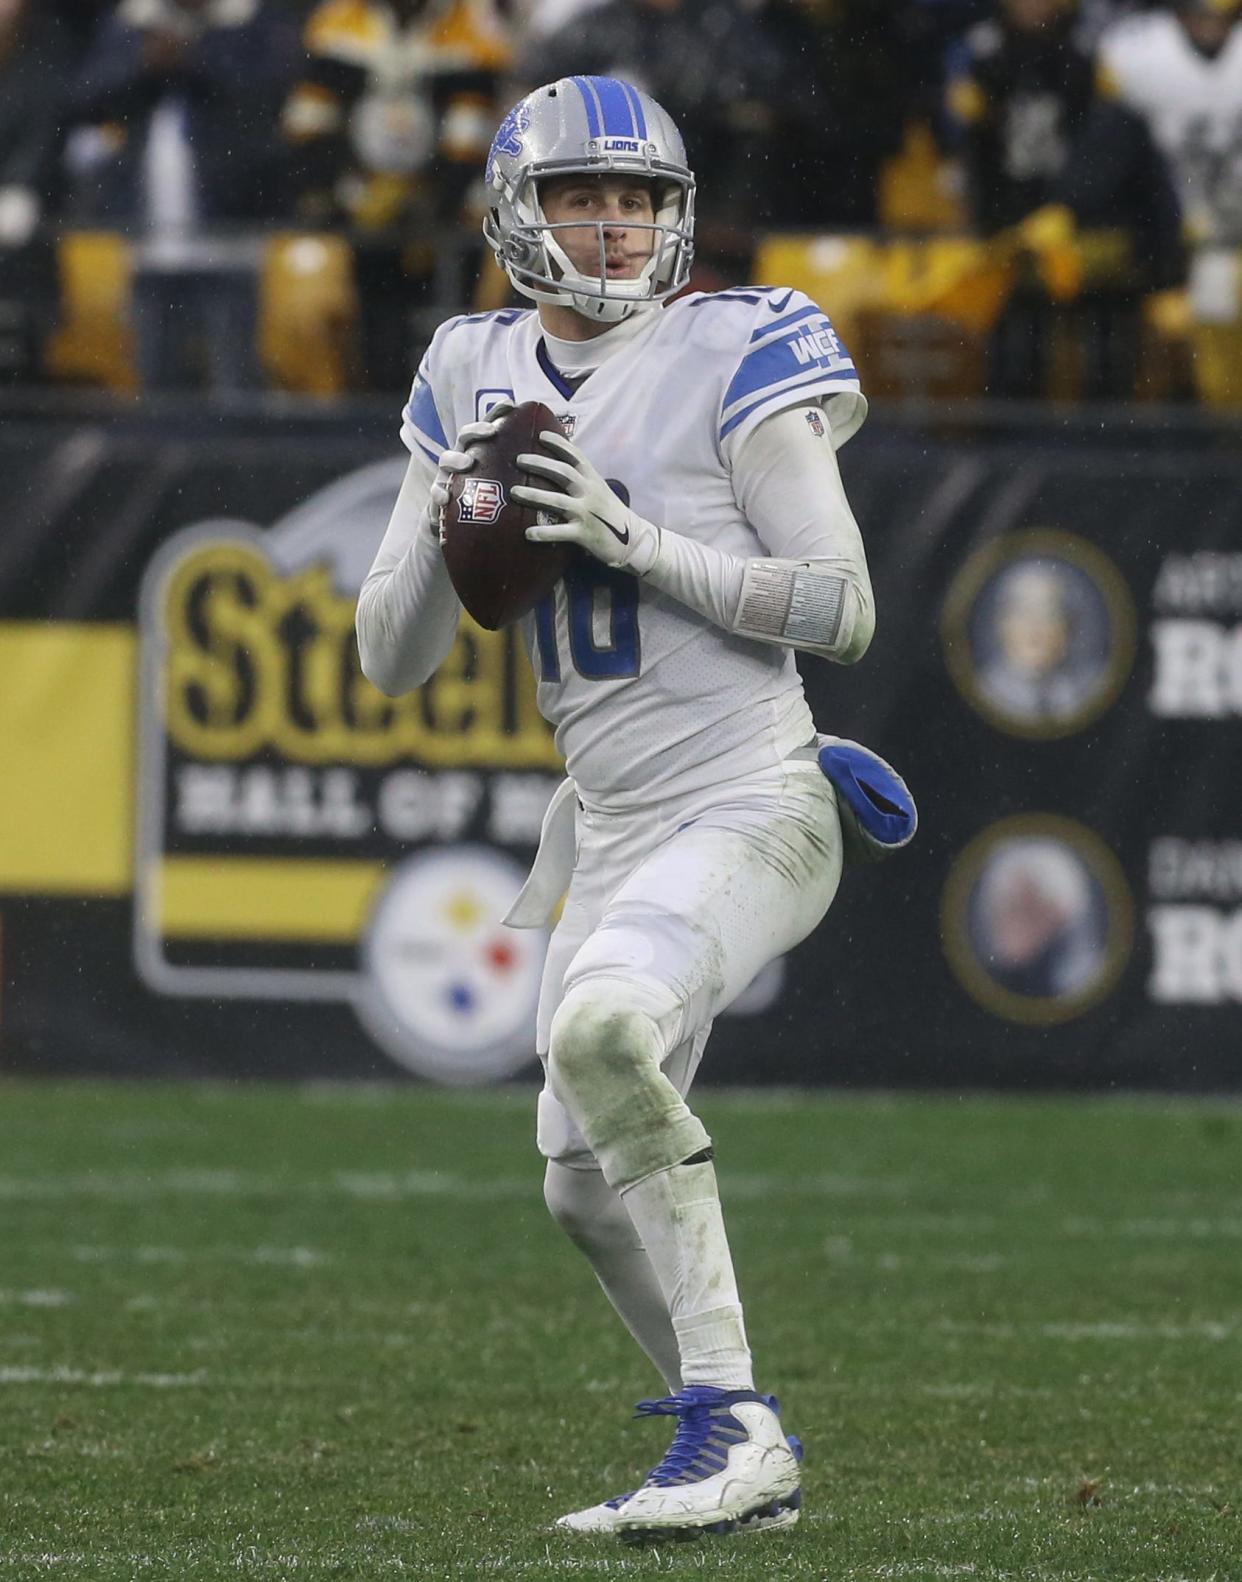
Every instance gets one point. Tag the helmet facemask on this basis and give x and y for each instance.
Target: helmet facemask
(538, 263)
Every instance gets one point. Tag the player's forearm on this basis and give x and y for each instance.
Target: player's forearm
(407, 610)
(812, 591)
(787, 481)
(811, 605)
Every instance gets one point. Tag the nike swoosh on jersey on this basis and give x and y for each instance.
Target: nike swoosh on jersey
(779, 307)
(616, 532)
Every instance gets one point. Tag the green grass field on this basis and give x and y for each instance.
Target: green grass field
(328, 1332)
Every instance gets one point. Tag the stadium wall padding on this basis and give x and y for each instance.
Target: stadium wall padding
(223, 854)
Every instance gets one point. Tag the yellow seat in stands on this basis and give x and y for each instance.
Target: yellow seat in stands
(1216, 358)
(94, 340)
(844, 274)
(918, 187)
(308, 313)
(955, 278)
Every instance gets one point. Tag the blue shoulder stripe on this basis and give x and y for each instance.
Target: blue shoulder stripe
(421, 414)
(782, 360)
(818, 379)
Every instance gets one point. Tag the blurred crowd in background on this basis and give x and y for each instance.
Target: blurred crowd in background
(1030, 198)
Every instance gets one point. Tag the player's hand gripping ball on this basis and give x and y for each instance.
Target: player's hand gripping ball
(498, 573)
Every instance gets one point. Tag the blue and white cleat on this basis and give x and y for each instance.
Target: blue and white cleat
(730, 1469)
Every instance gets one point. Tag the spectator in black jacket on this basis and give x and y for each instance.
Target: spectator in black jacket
(183, 99)
(1044, 157)
(848, 83)
(1021, 86)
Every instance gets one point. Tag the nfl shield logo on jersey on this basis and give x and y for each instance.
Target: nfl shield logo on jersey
(816, 424)
(482, 500)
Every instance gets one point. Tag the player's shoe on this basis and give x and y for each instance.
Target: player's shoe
(729, 1464)
(603, 1518)
(595, 1518)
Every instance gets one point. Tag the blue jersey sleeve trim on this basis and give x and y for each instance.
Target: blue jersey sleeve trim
(782, 360)
(411, 433)
(799, 390)
(423, 418)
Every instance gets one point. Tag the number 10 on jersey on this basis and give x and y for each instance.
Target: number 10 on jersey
(597, 598)
(592, 589)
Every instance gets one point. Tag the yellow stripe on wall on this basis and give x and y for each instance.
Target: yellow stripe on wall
(66, 758)
(262, 898)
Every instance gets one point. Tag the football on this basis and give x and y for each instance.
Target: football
(498, 573)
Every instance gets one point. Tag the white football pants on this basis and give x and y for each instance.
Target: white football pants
(677, 909)
(670, 914)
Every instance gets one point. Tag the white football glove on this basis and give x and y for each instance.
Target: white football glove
(458, 459)
(583, 509)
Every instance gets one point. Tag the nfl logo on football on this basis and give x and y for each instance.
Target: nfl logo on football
(482, 500)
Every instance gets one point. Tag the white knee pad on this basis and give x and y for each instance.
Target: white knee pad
(604, 1064)
(560, 1141)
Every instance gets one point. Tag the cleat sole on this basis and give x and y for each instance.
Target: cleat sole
(772, 1516)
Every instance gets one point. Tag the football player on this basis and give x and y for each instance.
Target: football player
(697, 833)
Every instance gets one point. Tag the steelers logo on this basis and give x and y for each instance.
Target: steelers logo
(1038, 632)
(450, 992)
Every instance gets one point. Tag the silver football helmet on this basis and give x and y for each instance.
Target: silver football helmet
(595, 125)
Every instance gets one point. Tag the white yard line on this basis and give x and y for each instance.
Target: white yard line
(397, 1186)
(1167, 1227)
(283, 1257)
(44, 1561)
(103, 1378)
(1104, 1329)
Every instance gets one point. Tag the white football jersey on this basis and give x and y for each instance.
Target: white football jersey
(1192, 104)
(648, 698)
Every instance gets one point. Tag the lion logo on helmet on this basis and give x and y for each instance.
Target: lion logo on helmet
(508, 139)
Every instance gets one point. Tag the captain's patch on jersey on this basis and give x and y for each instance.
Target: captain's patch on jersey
(482, 500)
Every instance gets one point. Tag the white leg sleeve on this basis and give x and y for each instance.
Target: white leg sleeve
(596, 1220)
(678, 1215)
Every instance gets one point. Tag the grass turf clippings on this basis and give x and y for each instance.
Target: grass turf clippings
(311, 1333)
